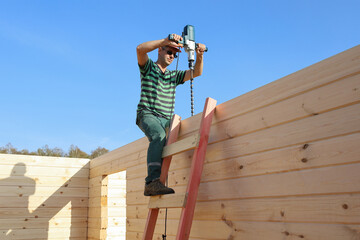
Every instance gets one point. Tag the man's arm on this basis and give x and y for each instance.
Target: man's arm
(146, 47)
(198, 69)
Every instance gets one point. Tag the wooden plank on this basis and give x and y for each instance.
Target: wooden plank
(36, 172)
(137, 236)
(228, 229)
(98, 212)
(119, 164)
(117, 221)
(96, 222)
(43, 161)
(33, 223)
(8, 213)
(119, 191)
(181, 146)
(119, 202)
(44, 233)
(96, 234)
(97, 201)
(35, 202)
(44, 181)
(119, 153)
(328, 209)
(110, 201)
(168, 201)
(138, 171)
(14, 191)
(327, 180)
(116, 212)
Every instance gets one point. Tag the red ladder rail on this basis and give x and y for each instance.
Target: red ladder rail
(197, 164)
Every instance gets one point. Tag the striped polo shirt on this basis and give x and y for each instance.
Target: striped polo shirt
(158, 89)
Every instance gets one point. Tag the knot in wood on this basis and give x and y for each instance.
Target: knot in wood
(282, 213)
(286, 233)
(305, 146)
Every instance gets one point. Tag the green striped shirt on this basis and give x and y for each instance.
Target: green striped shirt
(158, 89)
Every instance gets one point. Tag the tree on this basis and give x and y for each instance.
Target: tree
(98, 152)
(9, 149)
(75, 152)
(46, 151)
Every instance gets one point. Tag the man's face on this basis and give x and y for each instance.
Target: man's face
(167, 55)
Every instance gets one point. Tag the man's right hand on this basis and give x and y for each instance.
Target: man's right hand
(175, 41)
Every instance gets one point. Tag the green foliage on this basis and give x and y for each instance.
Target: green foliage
(74, 151)
(46, 151)
(9, 149)
(98, 152)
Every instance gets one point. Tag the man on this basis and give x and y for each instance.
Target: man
(157, 101)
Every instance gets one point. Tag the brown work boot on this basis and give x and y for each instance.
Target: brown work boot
(157, 188)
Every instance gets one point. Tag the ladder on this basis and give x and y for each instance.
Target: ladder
(187, 200)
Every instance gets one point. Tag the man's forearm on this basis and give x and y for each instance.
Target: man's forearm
(150, 46)
(198, 65)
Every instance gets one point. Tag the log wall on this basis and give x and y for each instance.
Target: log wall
(43, 197)
(283, 162)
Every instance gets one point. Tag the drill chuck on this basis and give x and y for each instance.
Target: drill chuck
(191, 65)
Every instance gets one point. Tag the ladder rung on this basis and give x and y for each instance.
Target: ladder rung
(181, 146)
(177, 200)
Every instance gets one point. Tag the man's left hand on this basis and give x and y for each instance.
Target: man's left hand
(200, 49)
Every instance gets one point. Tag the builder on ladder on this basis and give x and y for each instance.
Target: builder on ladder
(157, 101)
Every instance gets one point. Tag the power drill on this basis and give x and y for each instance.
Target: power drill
(189, 44)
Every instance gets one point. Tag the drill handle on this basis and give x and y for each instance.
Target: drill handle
(206, 49)
(171, 38)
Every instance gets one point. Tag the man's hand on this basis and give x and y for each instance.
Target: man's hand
(200, 49)
(175, 41)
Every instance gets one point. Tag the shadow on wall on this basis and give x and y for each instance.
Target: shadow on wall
(18, 222)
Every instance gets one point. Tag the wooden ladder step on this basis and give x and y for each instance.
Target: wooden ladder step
(180, 146)
(177, 200)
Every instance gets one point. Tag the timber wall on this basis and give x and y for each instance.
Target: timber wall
(283, 162)
(43, 197)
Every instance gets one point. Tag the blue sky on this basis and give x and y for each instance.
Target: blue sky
(69, 75)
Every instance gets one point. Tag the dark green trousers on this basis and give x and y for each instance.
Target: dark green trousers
(154, 128)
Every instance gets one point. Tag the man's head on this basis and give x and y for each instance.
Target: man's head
(167, 54)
